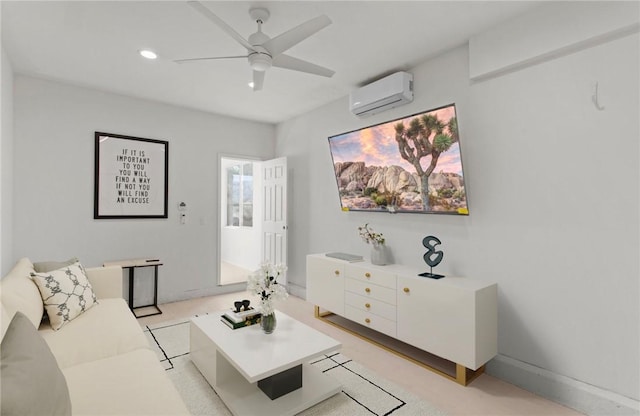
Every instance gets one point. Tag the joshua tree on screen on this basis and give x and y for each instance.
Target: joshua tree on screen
(425, 136)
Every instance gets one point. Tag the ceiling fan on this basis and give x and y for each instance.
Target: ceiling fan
(264, 52)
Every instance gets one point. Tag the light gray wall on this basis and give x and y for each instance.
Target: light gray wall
(553, 195)
(6, 165)
(53, 177)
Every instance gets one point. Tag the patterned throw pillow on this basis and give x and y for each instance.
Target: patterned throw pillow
(66, 293)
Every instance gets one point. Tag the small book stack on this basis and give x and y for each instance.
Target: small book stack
(235, 320)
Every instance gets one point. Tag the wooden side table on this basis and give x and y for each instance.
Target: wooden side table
(131, 265)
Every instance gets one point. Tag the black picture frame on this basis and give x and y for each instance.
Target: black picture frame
(131, 178)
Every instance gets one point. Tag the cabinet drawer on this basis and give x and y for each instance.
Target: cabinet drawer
(371, 275)
(371, 291)
(373, 306)
(370, 320)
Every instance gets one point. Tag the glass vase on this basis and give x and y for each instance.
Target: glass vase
(268, 323)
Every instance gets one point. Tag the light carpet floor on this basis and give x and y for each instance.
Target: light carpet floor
(363, 393)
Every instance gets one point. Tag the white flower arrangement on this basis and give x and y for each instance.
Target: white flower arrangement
(369, 236)
(264, 283)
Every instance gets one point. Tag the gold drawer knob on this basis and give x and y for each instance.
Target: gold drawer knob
(406, 290)
(337, 272)
(367, 290)
(367, 275)
(366, 305)
(368, 320)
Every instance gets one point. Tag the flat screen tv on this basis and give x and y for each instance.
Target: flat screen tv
(411, 164)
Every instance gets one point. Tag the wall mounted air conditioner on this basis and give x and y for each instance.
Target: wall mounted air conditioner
(389, 92)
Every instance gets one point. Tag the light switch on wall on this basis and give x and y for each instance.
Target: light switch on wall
(182, 208)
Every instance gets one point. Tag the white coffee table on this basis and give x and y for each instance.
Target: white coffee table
(234, 361)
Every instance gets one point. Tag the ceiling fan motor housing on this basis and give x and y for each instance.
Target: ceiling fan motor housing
(259, 57)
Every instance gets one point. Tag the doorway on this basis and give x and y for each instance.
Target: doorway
(240, 226)
(253, 216)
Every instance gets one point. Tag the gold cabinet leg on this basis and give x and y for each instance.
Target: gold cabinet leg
(464, 376)
(318, 314)
(461, 374)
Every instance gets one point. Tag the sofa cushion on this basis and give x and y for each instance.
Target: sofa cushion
(32, 383)
(19, 292)
(107, 329)
(105, 281)
(128, 384)
(66, 293)
(47, 266)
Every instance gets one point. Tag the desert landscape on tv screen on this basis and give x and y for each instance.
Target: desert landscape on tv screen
(406, 165)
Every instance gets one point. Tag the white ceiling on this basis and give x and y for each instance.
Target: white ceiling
(95, 44)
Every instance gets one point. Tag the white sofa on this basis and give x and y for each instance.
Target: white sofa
(103, 354)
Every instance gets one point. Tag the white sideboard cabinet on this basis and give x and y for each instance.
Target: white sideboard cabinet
(454, 318)
(325, 284)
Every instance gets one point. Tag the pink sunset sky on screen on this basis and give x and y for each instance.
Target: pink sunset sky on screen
(376, 146)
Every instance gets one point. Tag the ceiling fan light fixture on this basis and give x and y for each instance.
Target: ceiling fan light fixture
(147, 53)
(260, 61)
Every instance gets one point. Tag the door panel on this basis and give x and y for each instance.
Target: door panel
(274, 222)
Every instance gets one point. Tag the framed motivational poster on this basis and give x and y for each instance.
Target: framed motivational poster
(131, 177)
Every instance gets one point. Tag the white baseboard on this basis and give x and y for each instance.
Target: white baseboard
(298, 291)
(199, 293)
(572, 393)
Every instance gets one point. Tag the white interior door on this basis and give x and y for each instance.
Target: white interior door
(274, 223)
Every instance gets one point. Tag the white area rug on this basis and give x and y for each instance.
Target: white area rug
(363, 392)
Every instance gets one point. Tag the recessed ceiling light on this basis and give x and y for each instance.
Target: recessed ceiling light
(146, 53)
(250, 84)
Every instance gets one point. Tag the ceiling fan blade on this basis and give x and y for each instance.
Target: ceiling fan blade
(258, 80)
(221, 23)
(296, 35)
(187, 60)
(289, 62)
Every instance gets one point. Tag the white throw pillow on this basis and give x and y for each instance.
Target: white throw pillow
(66, 293)
(20, 293)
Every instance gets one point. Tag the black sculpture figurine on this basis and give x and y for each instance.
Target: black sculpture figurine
(242, 305)
(430, 242)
